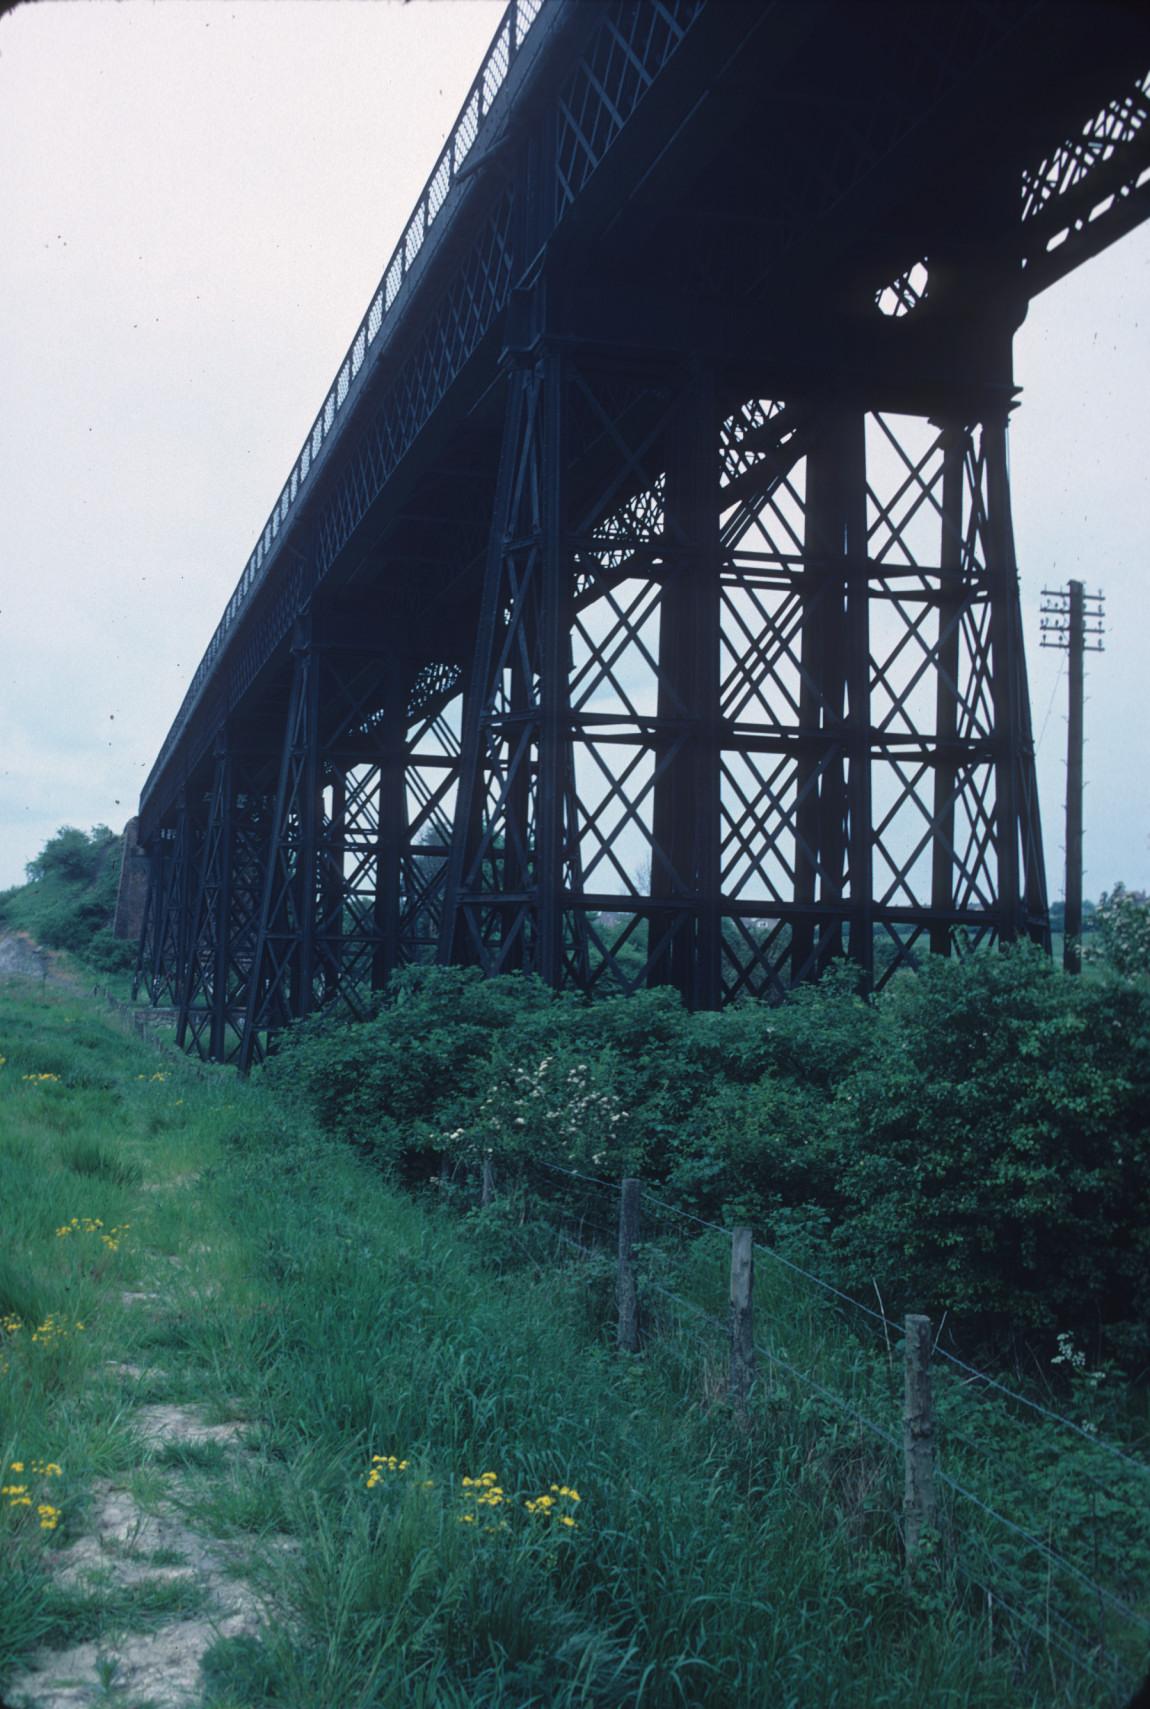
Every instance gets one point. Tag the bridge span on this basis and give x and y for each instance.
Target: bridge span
(642, 606)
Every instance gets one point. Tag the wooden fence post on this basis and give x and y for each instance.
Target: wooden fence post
(487, 1183)
(742, 1318)
(917, 1434)
(626, 1292)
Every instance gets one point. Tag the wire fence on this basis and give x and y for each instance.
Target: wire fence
(1007, 1561)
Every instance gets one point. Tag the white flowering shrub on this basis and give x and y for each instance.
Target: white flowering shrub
(1122, 931)
(562, 1108)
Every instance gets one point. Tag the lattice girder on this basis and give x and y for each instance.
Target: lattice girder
(358, 826)
(750, 698)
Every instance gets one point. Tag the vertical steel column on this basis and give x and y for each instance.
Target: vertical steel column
(215, 905)
(218, 1045)
(391, 835)
(255, 1018)
(554, 609)
(330, 885)
(950, 607)
(685, 943)
(460, 933)
(834, 759)
(174, 924)
(308, 809)
(507, 898)
(280, 984)
(1005, 641)
(812, 699)
(150, 949)
(856, 678)
(145, 943)
(203, 986)
(509, 857)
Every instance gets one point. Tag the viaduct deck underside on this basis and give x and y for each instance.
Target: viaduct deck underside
(648, 609)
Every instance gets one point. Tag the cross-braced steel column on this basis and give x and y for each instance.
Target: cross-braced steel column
(203, 977)
(510, 870)
(280, 979)
(684, 933)
(165, 934)
(604, 558)
(773, 648)
(357, 826)
(832, 796)
(224, 893)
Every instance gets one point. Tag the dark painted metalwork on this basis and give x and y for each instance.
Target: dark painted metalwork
(643, 605)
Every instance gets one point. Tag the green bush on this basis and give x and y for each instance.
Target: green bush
(976, 1140)
(74, 857)
(1121, 925)
(995, 1156)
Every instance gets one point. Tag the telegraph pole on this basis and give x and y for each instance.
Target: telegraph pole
(1072, 622)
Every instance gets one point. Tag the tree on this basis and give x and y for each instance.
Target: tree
(72, 855)
(1122, 925)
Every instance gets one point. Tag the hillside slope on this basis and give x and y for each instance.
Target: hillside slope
(364, 1451)
(69, 900)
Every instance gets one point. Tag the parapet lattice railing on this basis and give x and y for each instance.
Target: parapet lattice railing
(1071, 164)
(517, 20)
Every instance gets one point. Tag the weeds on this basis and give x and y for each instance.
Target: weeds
(454, 1492)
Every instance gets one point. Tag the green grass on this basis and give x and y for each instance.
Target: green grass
(339, 1318)
(99, 1614)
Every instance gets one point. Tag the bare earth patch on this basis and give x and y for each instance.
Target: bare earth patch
(21, 958)
(162, 1424)
(129, 1549)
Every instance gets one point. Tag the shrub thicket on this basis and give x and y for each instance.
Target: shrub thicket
(975, 1140)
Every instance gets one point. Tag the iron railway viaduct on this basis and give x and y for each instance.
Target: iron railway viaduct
(642, 606)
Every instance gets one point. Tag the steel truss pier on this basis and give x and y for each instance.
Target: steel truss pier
(747, 692)
(643, 606)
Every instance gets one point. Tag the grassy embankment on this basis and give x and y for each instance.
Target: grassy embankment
(293, 1288)
(70, 898)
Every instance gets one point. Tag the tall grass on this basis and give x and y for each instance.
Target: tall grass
(342, 1320)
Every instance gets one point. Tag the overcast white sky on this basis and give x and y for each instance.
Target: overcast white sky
(197, 198)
